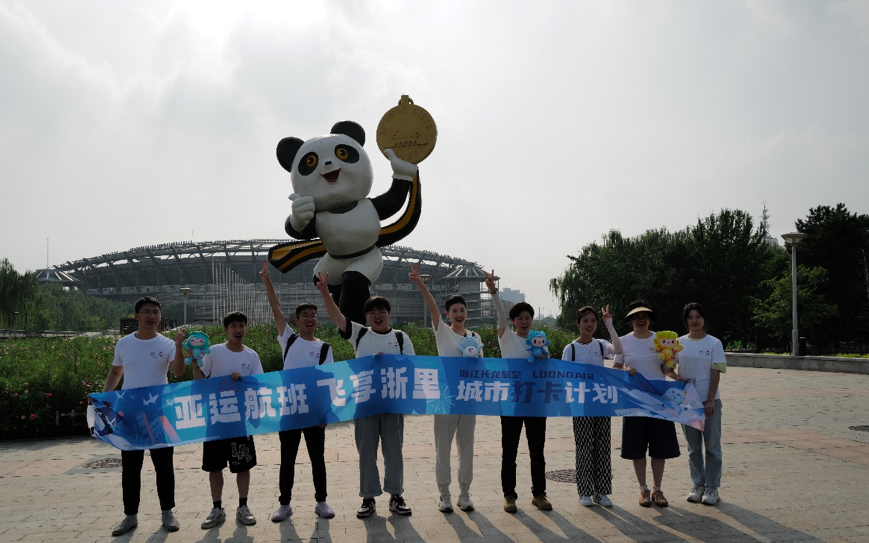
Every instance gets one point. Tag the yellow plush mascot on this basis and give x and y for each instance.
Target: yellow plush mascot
(667, 345)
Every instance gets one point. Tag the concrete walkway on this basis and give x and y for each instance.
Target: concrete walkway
(794, 471)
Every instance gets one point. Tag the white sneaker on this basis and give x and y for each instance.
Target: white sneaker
(710, 497)
(244, 516)
(323, 510)
(465, 503)
(585, 501)
(602, 499)
(215, 517)
(696, 494)
(446, 503)
(283, 513)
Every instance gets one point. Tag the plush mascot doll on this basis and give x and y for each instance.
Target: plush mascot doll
(332, 177)
(198, 344)
(538, 346)
(470, 347)
(667, 345)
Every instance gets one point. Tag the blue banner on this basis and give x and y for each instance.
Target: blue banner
(220, 407)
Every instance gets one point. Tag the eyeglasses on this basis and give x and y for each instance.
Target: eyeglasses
(149, 312)
(308, 316)
(378, 312)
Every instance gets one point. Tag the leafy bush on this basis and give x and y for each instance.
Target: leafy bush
(41, 377)
(851, 355)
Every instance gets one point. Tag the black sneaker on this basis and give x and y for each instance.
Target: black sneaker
(397, 505)
(366, 509)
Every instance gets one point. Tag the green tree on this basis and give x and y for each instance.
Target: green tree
(50, 307)
(774, 316)
(838, 241)
(720, 262)
(16, 291)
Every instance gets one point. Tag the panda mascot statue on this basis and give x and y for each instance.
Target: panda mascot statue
(332, 177)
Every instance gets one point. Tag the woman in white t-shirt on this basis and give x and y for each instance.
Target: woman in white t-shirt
(640, 434)
(592, 434)
(702, 361)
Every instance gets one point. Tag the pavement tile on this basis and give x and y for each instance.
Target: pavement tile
(782, 439)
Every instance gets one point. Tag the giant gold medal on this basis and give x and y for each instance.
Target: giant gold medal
(408, 130)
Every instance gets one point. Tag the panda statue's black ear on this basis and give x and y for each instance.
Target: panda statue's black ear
(287, 149)
(349, 128)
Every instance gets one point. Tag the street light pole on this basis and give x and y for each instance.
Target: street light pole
(185, 291)
(15, 323)
(793, 239)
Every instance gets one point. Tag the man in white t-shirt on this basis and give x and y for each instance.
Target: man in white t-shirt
(142, 359)
(235, 360)
(388, 428)
(301, 350)
(448, 339)
(513, 346)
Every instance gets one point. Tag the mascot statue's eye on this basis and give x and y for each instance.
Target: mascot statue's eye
(308, 163)
(346, 153)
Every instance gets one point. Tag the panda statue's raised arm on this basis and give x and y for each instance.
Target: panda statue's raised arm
(332, 177)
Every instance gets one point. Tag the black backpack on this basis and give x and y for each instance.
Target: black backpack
(573, 351)
(399, 337)
(324, 350)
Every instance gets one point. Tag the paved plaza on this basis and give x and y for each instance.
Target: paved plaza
(794, 471)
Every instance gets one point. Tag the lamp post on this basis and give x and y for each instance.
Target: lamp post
(185, 291)
(15, 323)
(793, 239)
(426, 277)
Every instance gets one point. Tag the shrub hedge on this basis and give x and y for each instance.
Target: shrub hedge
(41, 378)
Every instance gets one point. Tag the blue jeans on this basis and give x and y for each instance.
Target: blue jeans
(711, 437)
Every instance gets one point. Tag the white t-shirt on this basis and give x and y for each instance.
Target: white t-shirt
(641, 354)
(588, 354)
(695, 361)
(512, 346)
(448, 341)
(302, 353)
(222, 362)
(145, 361)
(374, 342)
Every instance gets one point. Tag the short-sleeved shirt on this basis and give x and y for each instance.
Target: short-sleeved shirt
(376, 342)
(641, 355)
(512, 345)
(145, 361)
(448, 341)
(302, 353)
(591, 353)
(697, 359)
(222, 362)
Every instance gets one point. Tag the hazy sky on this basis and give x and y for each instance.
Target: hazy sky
(123, 125)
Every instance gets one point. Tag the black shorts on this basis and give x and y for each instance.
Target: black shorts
(238, 452)
(640, 433)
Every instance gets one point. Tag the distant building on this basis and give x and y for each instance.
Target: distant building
(765, 225)
(56, 277)
(223, 276)
(510, 295)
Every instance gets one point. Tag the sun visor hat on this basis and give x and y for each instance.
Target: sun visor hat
(640, 309)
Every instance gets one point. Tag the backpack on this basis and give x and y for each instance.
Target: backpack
(324, 350)
(399, 338)
(573, 351)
